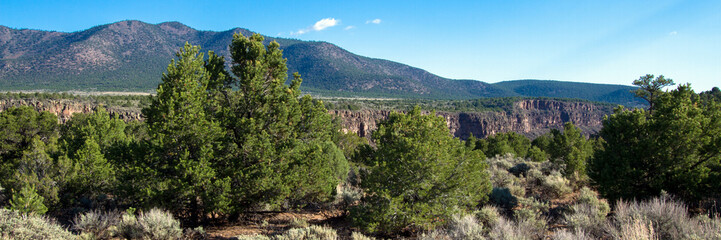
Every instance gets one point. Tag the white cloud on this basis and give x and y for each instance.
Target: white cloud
(325, 23)
(349, 27)
(673, 33)
(374, 21)
(318, 26)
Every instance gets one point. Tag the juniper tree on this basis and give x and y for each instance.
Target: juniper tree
(674, 148)
(419, 175)
(278, 146)
(183, 138)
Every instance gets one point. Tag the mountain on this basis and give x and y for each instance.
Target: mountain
(132, 55)
(611, 93)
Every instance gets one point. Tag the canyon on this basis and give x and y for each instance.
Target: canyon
(530, 117)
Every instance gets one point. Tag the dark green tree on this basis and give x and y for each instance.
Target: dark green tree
(274, 136)
(18, 127)
(183, 140)
(503, 143)
(674, 148)
(571, 148)
(419, 175)
(106, 131)
(650, 88)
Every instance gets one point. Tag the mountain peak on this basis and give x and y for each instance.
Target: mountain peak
(176, 27)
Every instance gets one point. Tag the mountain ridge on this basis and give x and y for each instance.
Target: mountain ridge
(132, 55)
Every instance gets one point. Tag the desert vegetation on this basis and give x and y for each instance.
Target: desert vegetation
(219, 147)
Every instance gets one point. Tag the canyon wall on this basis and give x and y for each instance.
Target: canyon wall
(528, 117)
(531, 117)
(65, 108)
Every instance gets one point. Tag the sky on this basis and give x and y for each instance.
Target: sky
(611, 41)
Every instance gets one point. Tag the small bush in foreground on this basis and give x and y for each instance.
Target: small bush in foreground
(97, 224)
(312, 232)
(154, 224)
(16, 225)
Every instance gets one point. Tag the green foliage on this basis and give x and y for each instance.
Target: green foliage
(569, 147)
(106, 131)
(675, 148)
(503, 143)
(650, 88)
(183, 140)
(28, 201)
(279, 145)
(18, 127)
(419, 174)
(37, 169)
(16, 225)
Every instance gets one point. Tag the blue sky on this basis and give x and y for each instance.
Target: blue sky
(588, 41)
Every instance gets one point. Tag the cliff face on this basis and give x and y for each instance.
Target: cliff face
(65, 109)
(528, 117)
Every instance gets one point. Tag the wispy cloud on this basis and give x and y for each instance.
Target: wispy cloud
(374, 21)
(318, 26)
(349, 27)
(673, 33)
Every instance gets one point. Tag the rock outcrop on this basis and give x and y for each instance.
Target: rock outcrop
(531, 117)
(65, 108)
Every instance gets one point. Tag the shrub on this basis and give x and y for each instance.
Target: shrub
(460, 227)
(28, 201)
(97, 224)
(663, 218)
(488, 215)
(556, 185)
(16, 225)
(158, 224)
(583, 217)
(309, 233)
(154, 224)
(359, 236)
(579, 234)
(508, 230)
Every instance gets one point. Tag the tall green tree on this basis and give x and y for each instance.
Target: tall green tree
(571, 148)
(419, 175)
(183, 138)
(650, 88)
(674, 148)
(274, 136)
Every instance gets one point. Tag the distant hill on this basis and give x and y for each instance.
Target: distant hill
(612, 93)
(132, 55)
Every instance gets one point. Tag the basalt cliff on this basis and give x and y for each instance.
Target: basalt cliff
(530, 117)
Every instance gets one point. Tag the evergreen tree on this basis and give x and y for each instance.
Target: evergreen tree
(571, 148)
(278, 145)
(184, 138)
(419, 175)
(674, 148)
(28, 201)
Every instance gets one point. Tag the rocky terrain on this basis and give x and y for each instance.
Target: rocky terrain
(530, 117)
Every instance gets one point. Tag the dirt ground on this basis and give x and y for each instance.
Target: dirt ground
(269, 223)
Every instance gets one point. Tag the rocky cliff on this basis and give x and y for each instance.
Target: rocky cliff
(528, 117)
(65, 108)
(531, 117)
